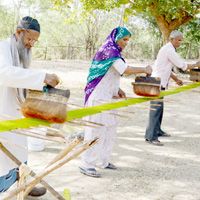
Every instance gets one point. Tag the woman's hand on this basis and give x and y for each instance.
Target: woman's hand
(121, 93)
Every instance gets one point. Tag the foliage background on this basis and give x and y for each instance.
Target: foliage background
(76, 29)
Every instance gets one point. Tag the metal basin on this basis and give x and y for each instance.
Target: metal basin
(147, 86)
(195, 75)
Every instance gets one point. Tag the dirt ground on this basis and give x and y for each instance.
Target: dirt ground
(145, 172)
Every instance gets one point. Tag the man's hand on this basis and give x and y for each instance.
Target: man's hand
(148, 70)
(176, 79)
(179, 82)
(51, 79)
(192, 66)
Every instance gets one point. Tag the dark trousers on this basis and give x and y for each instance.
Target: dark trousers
(155, 119)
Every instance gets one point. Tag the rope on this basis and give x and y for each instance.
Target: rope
(25, 123)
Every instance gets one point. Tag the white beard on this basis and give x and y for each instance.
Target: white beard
(21, 58)
(24, 53)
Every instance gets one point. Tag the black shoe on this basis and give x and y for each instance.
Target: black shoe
(163, 134)
(37, 192)
(154, 142)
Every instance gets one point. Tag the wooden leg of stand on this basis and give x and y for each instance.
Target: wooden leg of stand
(50, 169)
(32, 173)
(24, 171)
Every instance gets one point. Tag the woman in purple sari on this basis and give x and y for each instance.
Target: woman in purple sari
(102, 85)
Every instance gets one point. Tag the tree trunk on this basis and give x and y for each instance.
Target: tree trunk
(188, 55)
(163, 27)
(166, 27)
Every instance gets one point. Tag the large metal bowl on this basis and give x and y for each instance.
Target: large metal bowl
(147, 86)
(49, 104)
(195, 75)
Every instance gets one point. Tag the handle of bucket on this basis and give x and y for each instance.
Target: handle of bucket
(46, 88)
(51, 90)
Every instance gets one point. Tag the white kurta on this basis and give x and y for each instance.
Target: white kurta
(167, 58)
(108, 87)
(12, 77)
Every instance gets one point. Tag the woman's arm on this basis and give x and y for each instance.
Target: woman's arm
(136, 70)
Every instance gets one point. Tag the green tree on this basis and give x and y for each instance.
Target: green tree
(7, 24)
(190, 48)
(168, 15)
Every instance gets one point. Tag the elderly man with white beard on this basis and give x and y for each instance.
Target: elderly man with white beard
(15, 77)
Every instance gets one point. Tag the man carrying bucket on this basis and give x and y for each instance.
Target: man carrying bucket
(167, 58)
(15, 76)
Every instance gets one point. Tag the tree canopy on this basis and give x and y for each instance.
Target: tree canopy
(75, 29)
(168, 15)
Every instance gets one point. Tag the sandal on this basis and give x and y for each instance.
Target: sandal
(90, 172)
(111, 166)
(37, 192)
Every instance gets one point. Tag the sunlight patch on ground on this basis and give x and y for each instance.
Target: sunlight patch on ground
(128, 147)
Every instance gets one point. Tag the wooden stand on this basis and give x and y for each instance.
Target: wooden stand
(62, 158)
